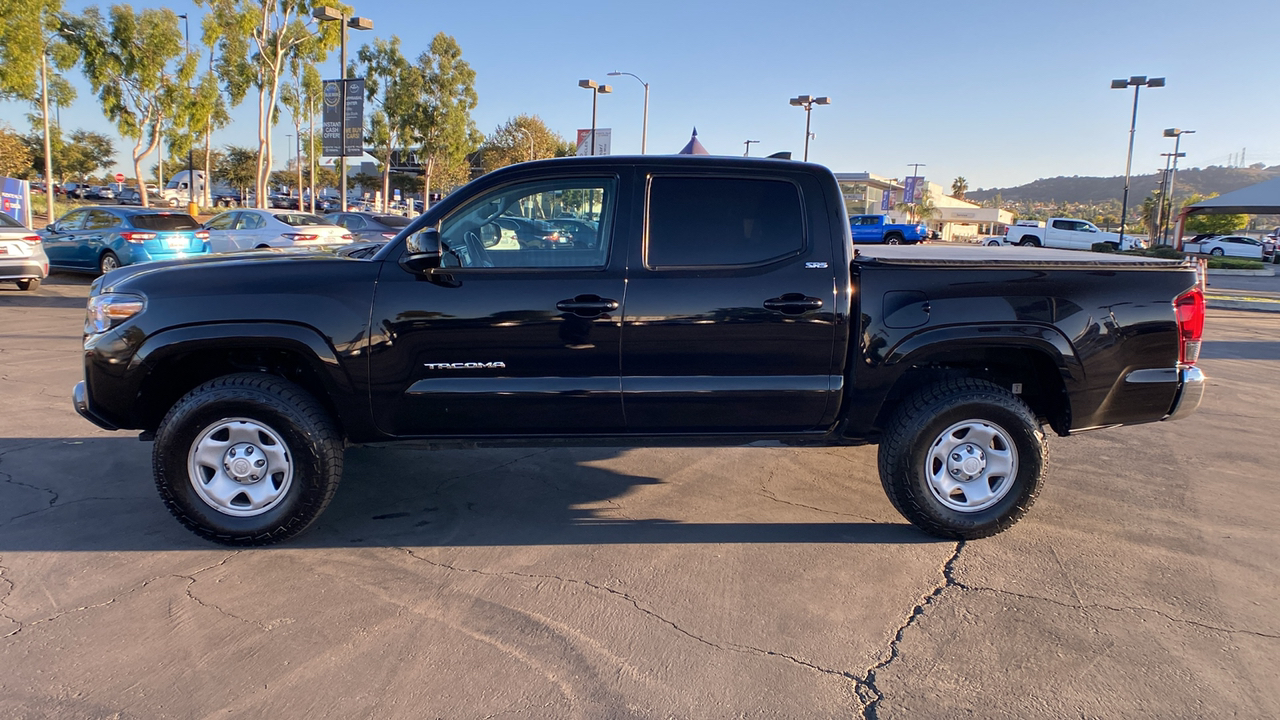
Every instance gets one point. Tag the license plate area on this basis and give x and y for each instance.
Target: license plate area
(177, 243)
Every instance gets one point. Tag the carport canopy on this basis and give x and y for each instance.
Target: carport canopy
(1260, 199)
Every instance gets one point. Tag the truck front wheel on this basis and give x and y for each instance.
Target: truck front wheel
(247, 459)
(963, 459)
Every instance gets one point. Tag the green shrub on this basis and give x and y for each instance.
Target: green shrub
(1228, 263)
(1103, 247)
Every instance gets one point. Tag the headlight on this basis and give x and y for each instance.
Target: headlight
(109, 310)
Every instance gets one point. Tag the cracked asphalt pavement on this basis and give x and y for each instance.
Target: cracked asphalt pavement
(636, 582)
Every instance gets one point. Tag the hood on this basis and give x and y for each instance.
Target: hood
(287, 258)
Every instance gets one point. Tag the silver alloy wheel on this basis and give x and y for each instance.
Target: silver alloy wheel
(240, 467)
(892, 240)
(108, 263)
(971, 466)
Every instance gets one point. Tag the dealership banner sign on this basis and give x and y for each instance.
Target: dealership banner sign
(913, 189)
(343, 118)
(604, 141)
(15, 200)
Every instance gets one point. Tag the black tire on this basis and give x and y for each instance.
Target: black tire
(108, 262)
(1030, 241)
(923, 421)
(312, 446)
(29, 284)
(893, 239)
(1217, 251)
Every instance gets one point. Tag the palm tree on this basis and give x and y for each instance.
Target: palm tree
(959, 187)
(922, 210)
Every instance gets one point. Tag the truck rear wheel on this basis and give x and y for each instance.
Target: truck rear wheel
(1030, 240)
(893, 239)
(247, 459)
(963, 459)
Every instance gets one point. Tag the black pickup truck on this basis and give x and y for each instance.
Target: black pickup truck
(691, 301)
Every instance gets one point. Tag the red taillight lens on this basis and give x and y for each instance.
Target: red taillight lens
(300, 237)
(202, 234)
(1189, 307)
(137, 237)
(32, 242)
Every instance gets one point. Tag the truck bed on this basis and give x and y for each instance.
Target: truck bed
(1002, 256)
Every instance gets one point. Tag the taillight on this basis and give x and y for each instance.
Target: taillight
(31, 241)
(137, 237)
(299, 237)
(388, 235)
(348, 236)
(202, 234)
(1189, 307)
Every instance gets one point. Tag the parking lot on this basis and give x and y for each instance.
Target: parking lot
(648, 583)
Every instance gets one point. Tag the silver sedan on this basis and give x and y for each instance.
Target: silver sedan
(22, 257)
(249, 229)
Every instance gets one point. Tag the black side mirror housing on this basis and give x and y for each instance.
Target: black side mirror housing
(422, 251)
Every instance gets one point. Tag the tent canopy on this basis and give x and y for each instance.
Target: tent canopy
(694, 147)
(1260, 199)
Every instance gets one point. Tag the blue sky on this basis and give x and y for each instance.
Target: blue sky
(1002, 93)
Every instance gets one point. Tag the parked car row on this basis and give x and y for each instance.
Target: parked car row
(1233, 246)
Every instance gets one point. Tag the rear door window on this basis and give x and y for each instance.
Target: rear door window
(101, 220)
(701, 222)
(301, 219)
(165, 222)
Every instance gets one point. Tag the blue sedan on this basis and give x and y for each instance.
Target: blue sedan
(99, 239)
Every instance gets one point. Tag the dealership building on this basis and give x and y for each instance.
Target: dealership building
(958, 220)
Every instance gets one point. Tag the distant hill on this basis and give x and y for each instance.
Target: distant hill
(1099, 190)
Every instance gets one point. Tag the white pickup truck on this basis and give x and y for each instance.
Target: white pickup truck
(1066, 233)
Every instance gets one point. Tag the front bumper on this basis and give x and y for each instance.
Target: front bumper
(80, 397)
(1190, 392)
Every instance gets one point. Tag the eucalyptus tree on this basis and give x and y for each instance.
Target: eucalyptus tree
(301, 96)
(397, 89)
(137, 65)
(258, 39)
(444, 130)
(522, 138)
(32, 33)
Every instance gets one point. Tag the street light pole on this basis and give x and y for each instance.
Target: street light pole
(1176, 134)
(1137, 82)
(748, 144)
(644, 130)
(911, 201)
(324, 13)
(807, 103)
(191, 166)
(596, 90)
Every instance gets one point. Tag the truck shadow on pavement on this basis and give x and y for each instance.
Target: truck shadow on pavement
(96, 494)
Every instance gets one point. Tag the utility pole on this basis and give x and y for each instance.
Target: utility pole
(192, 209)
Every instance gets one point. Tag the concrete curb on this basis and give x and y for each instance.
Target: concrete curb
(1242, 302)
(1265, 272)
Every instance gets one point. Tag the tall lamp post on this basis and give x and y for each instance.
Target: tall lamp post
(644, 130)
(911, 201)
(596, 91)
(807, 103)
(324, 13)
(191, 167)
(1137, 82)
(1176, 134)
(748, 143)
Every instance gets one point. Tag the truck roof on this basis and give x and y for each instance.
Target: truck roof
(1003, 256)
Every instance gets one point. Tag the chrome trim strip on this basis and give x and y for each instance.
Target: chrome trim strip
(516, 386)
(700, 384)
(1153, 375)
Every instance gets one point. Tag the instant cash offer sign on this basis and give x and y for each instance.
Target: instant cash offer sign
(343, 118)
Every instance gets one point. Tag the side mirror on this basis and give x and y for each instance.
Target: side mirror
(51, 227)
(422, 250)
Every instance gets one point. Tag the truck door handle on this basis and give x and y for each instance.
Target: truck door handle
(793, 303)
(587, 305)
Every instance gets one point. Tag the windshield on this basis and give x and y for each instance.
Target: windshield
(165, 221)
(393, 220)
(6, 221)
(301, 219)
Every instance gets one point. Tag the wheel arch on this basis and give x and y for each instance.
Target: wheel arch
(1038, 358)
(178, 360)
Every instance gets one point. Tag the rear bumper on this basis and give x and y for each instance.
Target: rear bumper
(24, 269)
(1190, 392)
(80, 397)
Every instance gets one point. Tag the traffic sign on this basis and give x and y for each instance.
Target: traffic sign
(119, 177)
